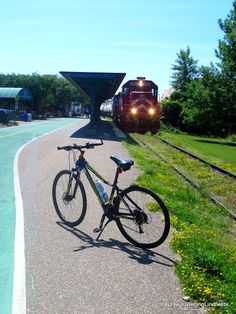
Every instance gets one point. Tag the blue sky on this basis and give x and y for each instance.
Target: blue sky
(140, 38)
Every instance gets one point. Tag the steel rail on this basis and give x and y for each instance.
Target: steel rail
(213, 166)
(187, 178)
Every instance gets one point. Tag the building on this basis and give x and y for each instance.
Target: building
(15, 98)
(167, 93)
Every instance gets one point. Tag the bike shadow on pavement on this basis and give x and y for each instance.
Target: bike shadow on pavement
(142, 256)
(105, 130)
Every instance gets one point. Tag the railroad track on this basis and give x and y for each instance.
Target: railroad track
(187, 178)
(213, 166)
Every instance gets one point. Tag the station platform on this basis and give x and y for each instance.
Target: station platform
(106, 130)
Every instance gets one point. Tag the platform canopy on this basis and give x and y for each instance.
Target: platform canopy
(98, 86)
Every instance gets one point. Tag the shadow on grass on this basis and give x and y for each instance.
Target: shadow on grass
(216, 142)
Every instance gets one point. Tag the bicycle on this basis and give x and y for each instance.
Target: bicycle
(140, 214)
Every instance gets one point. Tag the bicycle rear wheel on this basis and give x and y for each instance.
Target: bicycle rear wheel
(143, 218)
(69, 198)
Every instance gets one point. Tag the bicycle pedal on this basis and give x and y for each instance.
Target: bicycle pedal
(96, 230)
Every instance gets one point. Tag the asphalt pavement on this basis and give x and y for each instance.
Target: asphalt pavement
(67, 271)
(12, 140)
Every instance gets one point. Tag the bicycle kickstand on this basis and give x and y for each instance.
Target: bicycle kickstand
(101, 228)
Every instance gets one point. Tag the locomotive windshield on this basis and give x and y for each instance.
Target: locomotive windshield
(140, 86)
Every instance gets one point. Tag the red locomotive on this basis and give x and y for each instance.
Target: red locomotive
(136, 109)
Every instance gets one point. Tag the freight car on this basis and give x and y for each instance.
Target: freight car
(136, 108)
(106, 108)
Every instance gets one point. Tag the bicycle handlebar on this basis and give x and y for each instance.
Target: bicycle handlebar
(80, 147)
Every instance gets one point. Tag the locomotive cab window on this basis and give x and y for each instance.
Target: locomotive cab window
(154, 92)
(126, 91)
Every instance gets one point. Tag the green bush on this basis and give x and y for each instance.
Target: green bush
(171, 112)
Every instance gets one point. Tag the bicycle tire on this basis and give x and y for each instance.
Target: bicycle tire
(150, 211)
(71, 208)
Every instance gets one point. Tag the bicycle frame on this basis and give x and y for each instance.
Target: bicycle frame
(83, 165)
(88, 168)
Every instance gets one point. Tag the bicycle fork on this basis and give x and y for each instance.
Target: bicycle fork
(69, 191)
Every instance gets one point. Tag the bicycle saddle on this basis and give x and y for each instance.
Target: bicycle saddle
(124, 164)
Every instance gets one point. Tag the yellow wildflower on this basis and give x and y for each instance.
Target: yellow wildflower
(208, 290)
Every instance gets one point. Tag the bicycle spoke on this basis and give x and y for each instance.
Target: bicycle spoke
(129, 228)
(69, 198)
(150, 224)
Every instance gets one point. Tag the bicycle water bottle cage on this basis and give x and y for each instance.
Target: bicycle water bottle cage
(124, 164)
(80, 163)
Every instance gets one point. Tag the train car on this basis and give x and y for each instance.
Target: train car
(116, 107)
(136, 108)
(106, 108)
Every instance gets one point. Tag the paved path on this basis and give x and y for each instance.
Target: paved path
(11, 139)
(66, 270)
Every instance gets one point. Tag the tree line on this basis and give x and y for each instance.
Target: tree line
(50, 92)
(204, 100)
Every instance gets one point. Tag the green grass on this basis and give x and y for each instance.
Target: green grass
(221, 187)
(203, 234)
(213, 149)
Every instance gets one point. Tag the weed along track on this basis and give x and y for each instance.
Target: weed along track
(213, 166)
(203, 233)
(210, 180)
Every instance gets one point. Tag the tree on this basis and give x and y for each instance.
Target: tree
(185, 70)
(199, 114)
(208, 94)
(49, 91)
(227, 47)
(227, 54)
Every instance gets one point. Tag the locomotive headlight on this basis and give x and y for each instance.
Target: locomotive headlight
(151, 111)
(133, 110)
(140, 83)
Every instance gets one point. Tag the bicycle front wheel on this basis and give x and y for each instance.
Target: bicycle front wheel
(142, 217)
(69, 198)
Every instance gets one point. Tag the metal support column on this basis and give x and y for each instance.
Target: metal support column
(94, 107)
